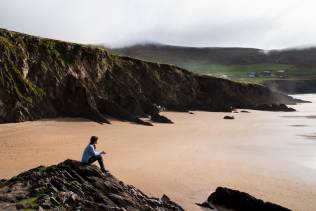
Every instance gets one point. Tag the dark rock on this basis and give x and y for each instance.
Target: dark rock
(229, 117)
(159, 118)
(167, 202)
(165, 199)
(43, 78)
(274, 107)
(205, 205)
(141, 122)
(76, 186)
(244, 111)
(20, 206)
(240, 201)
(45, 201)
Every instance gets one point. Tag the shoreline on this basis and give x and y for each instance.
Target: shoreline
(258, 152)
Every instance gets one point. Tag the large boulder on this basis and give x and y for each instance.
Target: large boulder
(239, 201)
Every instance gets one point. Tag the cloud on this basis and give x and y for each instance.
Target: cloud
(247, 23)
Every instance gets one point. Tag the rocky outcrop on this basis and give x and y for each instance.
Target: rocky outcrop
(238, 201)
(159, 118)
(274, 107)
(72, 185)
(43, 78)
(244, 111)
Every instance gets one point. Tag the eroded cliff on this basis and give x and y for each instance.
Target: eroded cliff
(44, 78)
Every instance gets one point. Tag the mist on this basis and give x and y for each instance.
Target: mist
(200, 23)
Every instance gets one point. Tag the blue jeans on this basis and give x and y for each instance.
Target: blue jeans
(99, 159)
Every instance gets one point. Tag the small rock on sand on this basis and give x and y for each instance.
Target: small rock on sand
(229, 117)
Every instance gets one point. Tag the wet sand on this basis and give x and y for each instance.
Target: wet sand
(264, 153)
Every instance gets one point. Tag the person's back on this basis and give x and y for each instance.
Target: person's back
(90, 155)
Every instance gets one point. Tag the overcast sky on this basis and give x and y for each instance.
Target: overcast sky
(267, 24)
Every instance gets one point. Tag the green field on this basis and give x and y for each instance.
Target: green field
(240, 72)
(231, 63)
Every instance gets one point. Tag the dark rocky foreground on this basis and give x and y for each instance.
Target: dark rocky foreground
(43, 78)
(72, 185)
(238, 201)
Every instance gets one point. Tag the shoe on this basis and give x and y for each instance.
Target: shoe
(105, 171)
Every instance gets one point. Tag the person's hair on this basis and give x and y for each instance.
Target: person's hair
(93, 139)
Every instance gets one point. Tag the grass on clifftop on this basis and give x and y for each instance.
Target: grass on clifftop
(240, 72)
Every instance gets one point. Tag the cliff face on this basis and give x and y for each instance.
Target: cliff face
(72, 185)
(43, 78)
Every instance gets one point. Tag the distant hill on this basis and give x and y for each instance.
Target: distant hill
(242, 64)
(182, 56)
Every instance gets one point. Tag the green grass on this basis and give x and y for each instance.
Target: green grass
(30, 202)
(42, 169)
(11, 76)
(240, 72)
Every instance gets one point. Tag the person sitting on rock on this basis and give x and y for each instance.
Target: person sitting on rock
(90, 155)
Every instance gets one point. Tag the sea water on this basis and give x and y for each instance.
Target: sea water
(306, 127)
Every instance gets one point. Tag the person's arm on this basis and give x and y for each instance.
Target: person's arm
(96, 153)
(92, 151)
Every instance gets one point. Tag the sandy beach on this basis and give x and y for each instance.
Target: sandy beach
(271, 155)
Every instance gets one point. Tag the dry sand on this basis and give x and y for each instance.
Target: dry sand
(268, 154)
